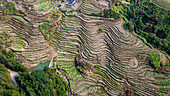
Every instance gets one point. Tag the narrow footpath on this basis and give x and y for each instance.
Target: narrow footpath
(13, 75)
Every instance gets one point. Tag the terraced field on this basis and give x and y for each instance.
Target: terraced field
(90, 8)
(118, 62)
(28, 45)
(95, 54)
(162, 3)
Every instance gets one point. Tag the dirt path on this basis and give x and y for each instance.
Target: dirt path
(14, 74)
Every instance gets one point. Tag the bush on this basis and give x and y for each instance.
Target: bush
(0, 46)
(131, 26)
(111, 14)
(155, 61)
(7, 58)
(148, 18)
(7, 87)
(10, 8)
(107, 14)
(101, 29)
(43, 83)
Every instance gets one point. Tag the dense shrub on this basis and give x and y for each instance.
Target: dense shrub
(101, 29)
(155, 61)
(107, 14)
(44, 29)
(7, 87)
(43, 83)
(7, 58)
(149, 21)
(111, 14)
(9, 8)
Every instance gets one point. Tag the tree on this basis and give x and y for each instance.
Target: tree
(101, 29)
(98, 24)
(131, 26)
(133, 15)
(7, 58)
(42, 83)
(155, 60)
(0, 46)
(8, 88)
(155, 16)
(46, 69)
(142, 12)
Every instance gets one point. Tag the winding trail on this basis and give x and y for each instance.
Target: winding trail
(14, 74)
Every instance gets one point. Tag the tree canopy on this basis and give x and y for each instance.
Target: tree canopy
(43, 83)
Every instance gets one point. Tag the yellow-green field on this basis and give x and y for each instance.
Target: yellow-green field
(162, 3)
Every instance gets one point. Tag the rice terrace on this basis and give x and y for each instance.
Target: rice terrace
(84, 48)
(162, 3)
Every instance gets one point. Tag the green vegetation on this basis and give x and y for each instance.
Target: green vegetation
(78, 13)
(111, 14)
(149, 21)
(18, 46)
(7, 87)
(9, 8)
(100, 55)
(20, 18)
(4, 36)
(101, 29)
(44, 20)
(107, 14)
(44, 28)
(7, 58)
(163, 82)
(97, 23)
(96, 66)
(43, 83)
(54, 16)
(155, 60)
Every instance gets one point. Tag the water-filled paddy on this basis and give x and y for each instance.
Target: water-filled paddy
(40, 67)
